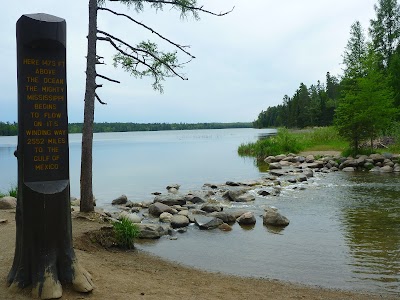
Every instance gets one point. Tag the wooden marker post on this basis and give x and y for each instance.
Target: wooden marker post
(44, 256)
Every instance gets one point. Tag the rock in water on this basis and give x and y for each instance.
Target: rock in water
(120, 200)
(207, 222)
(274, 218)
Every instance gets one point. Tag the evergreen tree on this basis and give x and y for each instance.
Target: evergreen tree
(143, 59)
(385, 30)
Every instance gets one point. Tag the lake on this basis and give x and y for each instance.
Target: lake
(344, 228)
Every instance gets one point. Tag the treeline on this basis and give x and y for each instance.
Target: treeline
(309, 106)
(8, 129)
(364, 101)
(125, 127)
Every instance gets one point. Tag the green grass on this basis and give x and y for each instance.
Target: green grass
(125, 232)
(295, 141)
(12, 191)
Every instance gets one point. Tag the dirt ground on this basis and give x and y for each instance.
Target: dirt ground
(138, 275)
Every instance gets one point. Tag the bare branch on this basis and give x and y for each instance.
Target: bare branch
(98, 99)
(107, 78)
(174, 2)
(180, 47)
(99, 86)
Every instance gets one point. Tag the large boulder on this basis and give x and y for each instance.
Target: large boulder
(156, 209)
(274, 218)
(224, 216)
(208, 207)
(247, 218)
(171, 199)
(178, 221)
(8, 202)
(120, 200)
(239, 196)
(204, 222)
(151, 231)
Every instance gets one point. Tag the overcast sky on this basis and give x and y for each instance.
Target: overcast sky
(245, 61)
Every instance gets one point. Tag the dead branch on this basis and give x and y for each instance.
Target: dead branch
(107, 78)
(98, 99)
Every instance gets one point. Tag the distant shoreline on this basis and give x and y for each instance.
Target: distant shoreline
(11, 129)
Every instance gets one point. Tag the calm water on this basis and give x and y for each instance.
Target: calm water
(344, 231)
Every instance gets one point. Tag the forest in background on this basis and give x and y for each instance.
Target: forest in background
(10, 129)
(364, 101)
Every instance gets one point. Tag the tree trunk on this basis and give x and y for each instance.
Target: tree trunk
(87, 204)
(44, 256)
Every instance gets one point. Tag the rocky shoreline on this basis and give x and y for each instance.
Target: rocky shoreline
(211, 207)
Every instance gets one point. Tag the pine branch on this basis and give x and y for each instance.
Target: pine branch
(150, 29)
(185, 7)
(110, 39)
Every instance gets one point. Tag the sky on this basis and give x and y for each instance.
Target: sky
(245, 61)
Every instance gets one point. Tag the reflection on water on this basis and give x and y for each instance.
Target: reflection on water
(344, 228)
(371, 221)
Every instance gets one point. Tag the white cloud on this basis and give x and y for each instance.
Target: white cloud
(246, 61)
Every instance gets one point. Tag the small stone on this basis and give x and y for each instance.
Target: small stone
(225, 227)
(3, 221)
(8, 202)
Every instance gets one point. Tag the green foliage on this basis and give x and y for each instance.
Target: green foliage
(8, 129)
(13, 191)
(313, 106)
(366, 107)
(283, 142)
(155, 63)
(125, 232)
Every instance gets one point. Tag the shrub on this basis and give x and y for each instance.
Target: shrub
(125, 232)
(13, 191)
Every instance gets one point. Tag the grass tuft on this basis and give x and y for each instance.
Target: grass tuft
(125, 232)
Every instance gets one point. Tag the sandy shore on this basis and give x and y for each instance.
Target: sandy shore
(138, 275)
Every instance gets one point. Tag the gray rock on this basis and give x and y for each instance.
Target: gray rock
(208, 207)
(308, 172)
(310, 158)
(270, 159)
(278, 172)
(224, 216)
(8, 202)
(134, 218)
(386, 169)
(165, 217)
(239, 196)
(377, 158)
(231, 183)
(173, 186)
(237, 213)
(348, 169)
(275, 166)
(156, 209)
(225, 227)
(274, 218)
(151, 231)
(194, 199)
(247, 218)
(204, 222)
(280, 157)
(171, 199)
(120, 200)
(179, 221)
